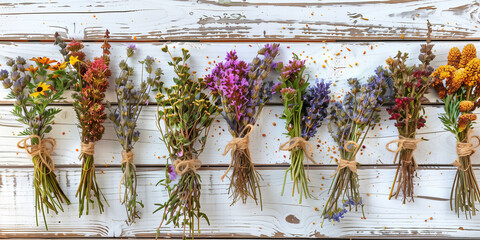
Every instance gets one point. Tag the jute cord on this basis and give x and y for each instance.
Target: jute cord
(300, 143)
(43, 149)
(403, 143)
(183, 166)
(465, 149)
(238, 143)
(350, 164)
(88, 148)
(127, 157)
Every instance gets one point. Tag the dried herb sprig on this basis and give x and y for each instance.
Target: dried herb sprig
(349, 123)
(305, 108)
(409, 85)
(187, 114)
(243, 91)
(90, 84)
(34, 90)
(458, 84)
(124, 116)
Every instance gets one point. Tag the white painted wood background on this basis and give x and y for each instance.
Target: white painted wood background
(359, 36)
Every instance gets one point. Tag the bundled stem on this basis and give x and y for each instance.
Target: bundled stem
(409, 86)
(243, 92)
(458, 84)
(34, 89)
(90, 85)
(349, 123)
(125, 116)
(187, 114)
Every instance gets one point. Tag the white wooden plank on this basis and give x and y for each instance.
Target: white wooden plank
(428, 216)
(233, 20)
(265, 141)
(332, 61)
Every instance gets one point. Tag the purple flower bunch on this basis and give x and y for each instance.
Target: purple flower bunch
(243, 91)
(316, 101)
(348, 123)
(305, 108)
(360, 106)
(124, 117)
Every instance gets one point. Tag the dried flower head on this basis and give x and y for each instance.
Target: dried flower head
(454, 56)
(469, 52)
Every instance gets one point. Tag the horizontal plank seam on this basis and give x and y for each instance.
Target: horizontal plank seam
(258, 166)
(287, 40)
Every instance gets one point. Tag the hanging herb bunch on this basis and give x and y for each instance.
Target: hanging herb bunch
(124, 117)
(90, 84)
(184, 116)
(458, 84)
(409, 85)
(34, 89)
(348, 123)
(305, 108)
(243, 91)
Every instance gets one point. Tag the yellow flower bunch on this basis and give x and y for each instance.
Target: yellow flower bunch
(462, 70)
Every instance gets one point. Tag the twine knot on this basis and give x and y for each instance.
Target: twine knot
(300, 143)
(43, 149)
(465, 149)
(88, 148)
(127, 157)
(183, 166)
(350, 164)
(238, 143)
(403, 143)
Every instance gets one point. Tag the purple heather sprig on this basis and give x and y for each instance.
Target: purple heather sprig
(243, 92)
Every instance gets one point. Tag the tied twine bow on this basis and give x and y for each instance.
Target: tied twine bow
(465, 149)
(183, 166)
(127, 157)
(238, 143)
(403, 143)
(350, 164)
(300, 143)
(43, 149)
(88, 148)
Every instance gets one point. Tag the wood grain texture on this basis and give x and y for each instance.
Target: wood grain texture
(264, 142)
(233, 20)
(334, 62)
(428, 216)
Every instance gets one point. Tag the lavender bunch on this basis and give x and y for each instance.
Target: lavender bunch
(305, 108)
(243, 92)
(349, 123)
(125, 116)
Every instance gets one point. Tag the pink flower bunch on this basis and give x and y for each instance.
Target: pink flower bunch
(229, 80)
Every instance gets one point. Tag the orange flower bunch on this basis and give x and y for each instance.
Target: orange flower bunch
(462, 70)
(460, 77)
(458, 84)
